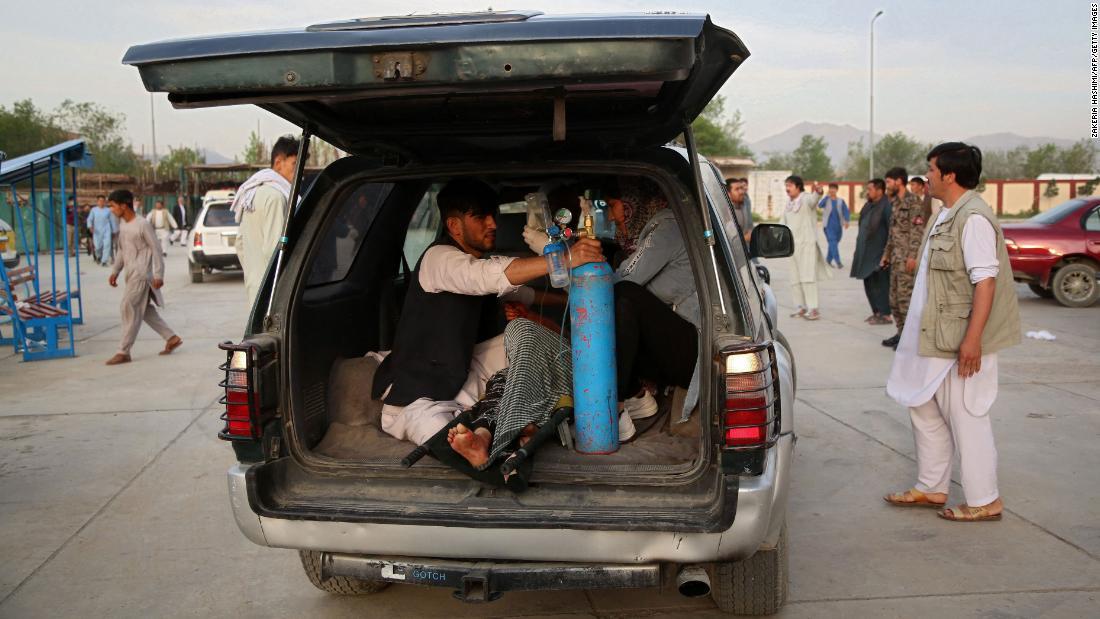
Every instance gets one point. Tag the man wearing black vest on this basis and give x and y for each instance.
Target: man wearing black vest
(448, 343)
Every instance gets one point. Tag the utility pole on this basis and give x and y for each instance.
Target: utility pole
(153, 122)
(871, 170)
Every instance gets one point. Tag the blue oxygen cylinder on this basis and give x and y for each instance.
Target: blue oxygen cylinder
(595, 392)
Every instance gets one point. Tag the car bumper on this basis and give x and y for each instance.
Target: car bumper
(1032, 269)
(216, 261)
(761, 503)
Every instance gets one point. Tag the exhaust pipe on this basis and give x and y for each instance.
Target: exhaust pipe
(693, 582)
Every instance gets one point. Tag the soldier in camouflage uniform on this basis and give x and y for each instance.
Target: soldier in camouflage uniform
(906, 234)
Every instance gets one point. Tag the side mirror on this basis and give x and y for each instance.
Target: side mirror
(771, 241)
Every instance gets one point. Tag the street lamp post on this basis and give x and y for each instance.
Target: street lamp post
(871, 170)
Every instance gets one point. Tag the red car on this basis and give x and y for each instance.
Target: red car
(1057, 253)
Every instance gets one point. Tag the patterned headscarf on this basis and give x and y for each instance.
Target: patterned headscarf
(641, 199)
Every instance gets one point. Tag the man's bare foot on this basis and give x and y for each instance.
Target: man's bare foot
(474, 446)
(526, 434)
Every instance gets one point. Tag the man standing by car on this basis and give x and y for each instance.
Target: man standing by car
(963, 312)
(738, 191)
(446, 346)
(867, 263)
(140, 254)
(906, 233)
(260, 207)
(800, 215)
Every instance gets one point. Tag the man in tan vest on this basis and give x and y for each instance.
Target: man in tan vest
(962, 312)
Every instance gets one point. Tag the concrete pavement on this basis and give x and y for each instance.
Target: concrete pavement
(112, 488)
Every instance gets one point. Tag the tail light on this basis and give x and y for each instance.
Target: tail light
(750, 415)
(198, 240)
(244, 411)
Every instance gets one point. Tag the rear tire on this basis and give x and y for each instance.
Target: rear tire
(196, 272)
(338, 585)
(1045, 293)
(755, 586)
(1075, 285)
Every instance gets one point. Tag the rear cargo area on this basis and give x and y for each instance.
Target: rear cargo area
(351, 301)
(354, 433)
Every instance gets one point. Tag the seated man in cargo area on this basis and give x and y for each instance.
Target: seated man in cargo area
(447, 344)
(656, 316)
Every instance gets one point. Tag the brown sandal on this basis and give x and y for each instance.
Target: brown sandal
(965, 513)
(911, 498)
(173, 343)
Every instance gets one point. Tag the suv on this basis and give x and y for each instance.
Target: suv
(522, 101)
(212, 242)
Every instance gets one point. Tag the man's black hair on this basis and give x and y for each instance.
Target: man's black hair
(878, 183)
(287, 146)
(463, 196)
(122, 196)
(101, 197)
(962, 160)
(797, 180)
(898, 174)
(834, 185)
(918, 180)
(731, 181)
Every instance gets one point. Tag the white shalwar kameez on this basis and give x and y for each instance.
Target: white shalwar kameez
(946, 410)
(800, 215)
(163, 225)
(139, 252)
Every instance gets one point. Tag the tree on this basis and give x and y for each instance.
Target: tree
(719, 135)
(102, 131)
(1004, 163)
(169, 166)
(1078, 158)
(25, 129)
(1043, 159)
(810, 160)
(894, 149)
(777, 161)
(256, 152)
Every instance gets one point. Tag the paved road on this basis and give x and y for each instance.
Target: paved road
(112, 489)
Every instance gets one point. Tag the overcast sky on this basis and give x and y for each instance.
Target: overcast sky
(943, 69)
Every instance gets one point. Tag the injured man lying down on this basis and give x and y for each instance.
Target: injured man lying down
(447, 357)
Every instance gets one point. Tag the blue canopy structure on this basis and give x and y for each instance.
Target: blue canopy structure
(44, 309)
(22, 168)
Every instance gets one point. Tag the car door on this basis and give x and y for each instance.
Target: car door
(1091, 224)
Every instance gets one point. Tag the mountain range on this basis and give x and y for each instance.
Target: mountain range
(837, 138)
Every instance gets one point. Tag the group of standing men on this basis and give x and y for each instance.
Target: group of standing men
(891, 229)
(103, 227)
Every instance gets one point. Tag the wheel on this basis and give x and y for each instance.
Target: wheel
(755, 586)
(1074, 285)
(340, 585)
(1045, 293)
(196, 272)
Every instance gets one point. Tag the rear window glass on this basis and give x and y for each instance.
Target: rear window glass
(218, 215)
(1056, 214)
(355, 213)
(423, 228)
